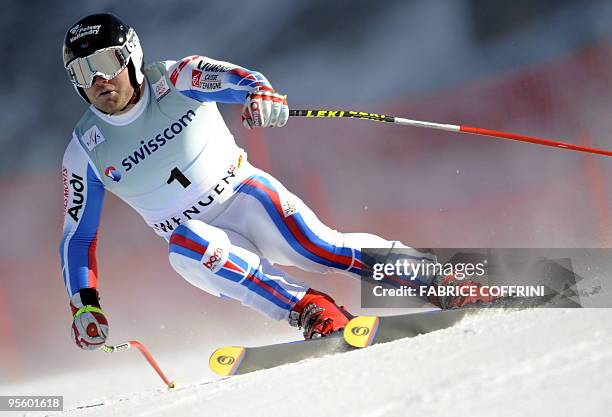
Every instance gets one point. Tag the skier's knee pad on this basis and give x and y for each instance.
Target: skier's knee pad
(197, 251)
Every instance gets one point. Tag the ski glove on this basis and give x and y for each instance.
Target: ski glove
(264, 107)
(89, 323)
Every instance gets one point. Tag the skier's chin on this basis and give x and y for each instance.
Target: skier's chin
(110, 104)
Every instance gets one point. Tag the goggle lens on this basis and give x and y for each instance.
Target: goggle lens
(106, 63)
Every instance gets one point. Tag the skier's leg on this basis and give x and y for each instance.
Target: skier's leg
(287, 232)
(221, 263)
(223, 266)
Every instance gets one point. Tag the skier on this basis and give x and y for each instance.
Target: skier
(153, 136)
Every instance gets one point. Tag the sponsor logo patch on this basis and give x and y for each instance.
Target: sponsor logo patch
(195, 77)
(152, 145)
(66, 191)
(160, 88)
(288, 204)
(92, 137)
(214, 260)
(209, 82)
(77, 188)
(112, 173)
(210, 67)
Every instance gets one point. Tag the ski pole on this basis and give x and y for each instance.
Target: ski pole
(147, 355)
(447, 127)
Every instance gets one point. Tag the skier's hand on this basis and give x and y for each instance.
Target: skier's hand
(265, 108)
(89, 324)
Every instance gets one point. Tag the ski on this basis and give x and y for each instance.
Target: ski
(364, 331)
(239, 360)
(361, 331)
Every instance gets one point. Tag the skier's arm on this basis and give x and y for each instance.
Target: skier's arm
(204, 79)
(83, 198)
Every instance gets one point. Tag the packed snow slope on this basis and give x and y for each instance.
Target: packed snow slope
(553, 362)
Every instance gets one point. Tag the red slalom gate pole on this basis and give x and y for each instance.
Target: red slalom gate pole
(447, 127)
(147, 355)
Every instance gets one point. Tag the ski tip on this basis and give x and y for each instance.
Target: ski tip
(225, 361)
(361, 331)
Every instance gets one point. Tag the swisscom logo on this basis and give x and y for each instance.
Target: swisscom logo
(112, 173)
(152, 145)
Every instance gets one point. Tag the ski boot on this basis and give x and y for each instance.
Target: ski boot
(318, 315)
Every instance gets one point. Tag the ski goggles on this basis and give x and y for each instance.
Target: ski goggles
(106, 63)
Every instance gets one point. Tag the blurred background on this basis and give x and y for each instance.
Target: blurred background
(537, 67)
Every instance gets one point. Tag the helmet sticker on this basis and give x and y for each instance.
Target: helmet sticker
(79, 31)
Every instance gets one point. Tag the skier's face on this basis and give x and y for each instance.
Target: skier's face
(112, 95)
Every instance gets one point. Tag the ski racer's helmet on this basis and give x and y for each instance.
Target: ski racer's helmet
(102, 45)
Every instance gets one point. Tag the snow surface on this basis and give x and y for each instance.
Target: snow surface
(547, 362)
